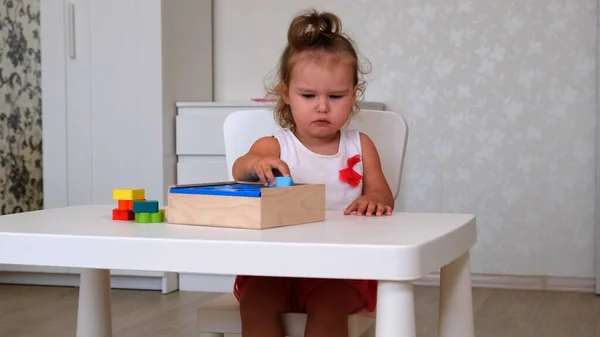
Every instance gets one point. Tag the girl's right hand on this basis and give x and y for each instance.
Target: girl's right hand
(263, 169)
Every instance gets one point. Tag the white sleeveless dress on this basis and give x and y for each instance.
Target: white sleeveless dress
(308, 167)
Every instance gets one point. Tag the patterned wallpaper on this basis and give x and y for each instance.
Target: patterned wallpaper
(20, 107)
(500, 100)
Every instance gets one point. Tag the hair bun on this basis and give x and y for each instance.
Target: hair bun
(312, 28)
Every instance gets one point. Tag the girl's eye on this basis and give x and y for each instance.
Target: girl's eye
(335, 96)
(308, 95)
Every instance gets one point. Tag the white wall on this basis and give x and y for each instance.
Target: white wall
(499, 96)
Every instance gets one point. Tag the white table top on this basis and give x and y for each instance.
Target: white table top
(398, 247)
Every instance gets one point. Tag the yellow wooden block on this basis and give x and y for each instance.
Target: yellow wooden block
(129, 194)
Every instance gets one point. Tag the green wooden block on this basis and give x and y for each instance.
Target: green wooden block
(142, 217)
(156, 217)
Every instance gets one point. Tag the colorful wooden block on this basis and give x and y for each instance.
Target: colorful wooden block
(145, 217)
(283, 182)
(125, 205)
(156, 217)
(129, 194)
(142, 217)
(119, 214)
(245, 205)
(145, 206)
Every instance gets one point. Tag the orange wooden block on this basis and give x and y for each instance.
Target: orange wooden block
(125, 205)
(119, 214)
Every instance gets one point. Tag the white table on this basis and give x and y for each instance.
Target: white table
(394, 250)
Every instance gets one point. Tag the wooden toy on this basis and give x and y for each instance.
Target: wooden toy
(150, 217)
(142, 217)
(132, 205)
(125, 199)
(157, 216)
(122, 214)
(282, 181)
(145, 206)
(246, 205)
(129, 194)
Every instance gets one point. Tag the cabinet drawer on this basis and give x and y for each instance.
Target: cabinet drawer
(200, 134)
(201, 169)
(199, 130)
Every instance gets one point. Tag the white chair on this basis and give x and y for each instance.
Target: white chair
(388, 131)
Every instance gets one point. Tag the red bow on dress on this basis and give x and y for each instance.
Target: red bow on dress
(348, 175)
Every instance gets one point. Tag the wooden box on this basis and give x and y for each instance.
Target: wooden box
(261, 208)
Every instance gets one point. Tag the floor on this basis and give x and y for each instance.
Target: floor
(29, 311)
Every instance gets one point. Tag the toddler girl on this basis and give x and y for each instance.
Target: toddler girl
(317, 91)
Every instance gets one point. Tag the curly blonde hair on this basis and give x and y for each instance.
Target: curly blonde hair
(317, 33)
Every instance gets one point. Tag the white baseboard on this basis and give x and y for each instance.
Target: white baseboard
(165, 284)
(522, 282)
(224, 283)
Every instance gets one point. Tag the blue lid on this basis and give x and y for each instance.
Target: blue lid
(239, 190)
(232, 189)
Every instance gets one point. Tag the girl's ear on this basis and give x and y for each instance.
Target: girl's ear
(355, 93)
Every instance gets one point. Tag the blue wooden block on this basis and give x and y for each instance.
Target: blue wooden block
(283, 182)
(145, 206)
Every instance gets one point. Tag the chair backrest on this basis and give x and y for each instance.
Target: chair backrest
(387, 129)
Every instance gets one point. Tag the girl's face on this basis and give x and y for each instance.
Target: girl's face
(321, 94)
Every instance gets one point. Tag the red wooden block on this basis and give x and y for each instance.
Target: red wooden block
(127, 205)
(119, 214)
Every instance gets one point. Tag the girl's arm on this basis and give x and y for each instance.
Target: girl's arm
(374, 183)
(257, 164)
(375, 187)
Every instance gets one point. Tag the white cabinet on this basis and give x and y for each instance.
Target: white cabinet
(112, 71)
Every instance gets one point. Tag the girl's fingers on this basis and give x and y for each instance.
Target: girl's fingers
(261, 175)
(380, 209)
(270, 177)
(351, 208)
(372, 206)
(362, 207)
(282, 167)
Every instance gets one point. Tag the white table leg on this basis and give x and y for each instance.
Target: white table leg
(456, 303)
(94, 313)
(395, 310)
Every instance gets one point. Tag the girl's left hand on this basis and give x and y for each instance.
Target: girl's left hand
(366, 205)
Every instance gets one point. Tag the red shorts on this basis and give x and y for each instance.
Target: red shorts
(304, 286)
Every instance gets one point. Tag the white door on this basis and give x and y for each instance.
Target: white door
(78, 102)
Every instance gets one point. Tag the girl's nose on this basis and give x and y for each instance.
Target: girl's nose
(322, 106)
